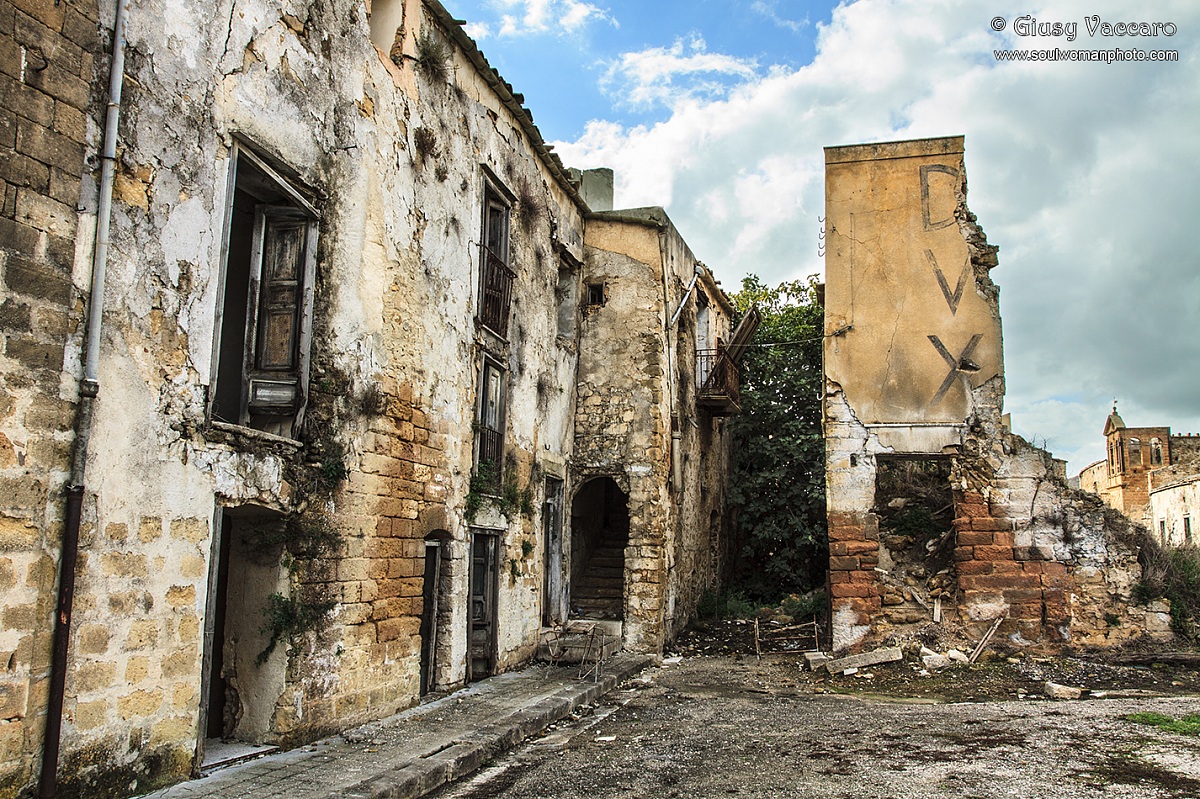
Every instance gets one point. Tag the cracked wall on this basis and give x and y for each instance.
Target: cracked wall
(396, 360)
(914, 374)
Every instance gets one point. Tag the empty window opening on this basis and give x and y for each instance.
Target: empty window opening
(703, 323)
(1135, 452)
(599, 535)
(266, 306)
(1187, 530)
(1156, 454)
(244, 681)
(387, 26)
(595, 294)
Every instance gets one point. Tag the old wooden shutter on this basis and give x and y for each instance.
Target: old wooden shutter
(279, 312)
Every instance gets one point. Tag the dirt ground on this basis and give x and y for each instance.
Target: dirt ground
(997, 676)
(716, 721)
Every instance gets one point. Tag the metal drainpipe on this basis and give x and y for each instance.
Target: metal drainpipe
(89, 388)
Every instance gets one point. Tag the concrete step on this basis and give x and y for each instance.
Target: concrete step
(598, 609)
(580, 592)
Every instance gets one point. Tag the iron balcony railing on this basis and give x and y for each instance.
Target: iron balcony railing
(718, 378)
(491, 449)
(497, 293)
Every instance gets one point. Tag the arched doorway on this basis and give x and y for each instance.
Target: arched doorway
(599, 534)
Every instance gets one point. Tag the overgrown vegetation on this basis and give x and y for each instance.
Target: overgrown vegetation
(332, 469)
(802, 607)
(736, 605)
(507, 495)
(1174, 574)
(288, 619)
(777, 478)
(724, 605)
(529, 206)
(426, 143)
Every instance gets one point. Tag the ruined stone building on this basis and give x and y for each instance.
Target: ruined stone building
(1151, 476)
(938, 513)
(323, 383)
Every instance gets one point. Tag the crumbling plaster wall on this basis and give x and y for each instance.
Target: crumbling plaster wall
(631, 391)
(397, 292)
(914, 368)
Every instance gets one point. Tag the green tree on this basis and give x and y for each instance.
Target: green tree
(777, 485)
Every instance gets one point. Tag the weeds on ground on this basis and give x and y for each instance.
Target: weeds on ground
(1188, 725)
(724, 605)
(804, 606)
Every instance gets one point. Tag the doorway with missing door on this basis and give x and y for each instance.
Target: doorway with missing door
(240, 685)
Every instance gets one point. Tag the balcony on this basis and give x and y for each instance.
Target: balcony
(718, 378)
(497, 293)
(489, 452)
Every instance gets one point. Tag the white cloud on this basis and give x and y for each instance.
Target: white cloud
(675, 74)
(527, 17)
(1083, 173)
(770, 10)
(477, 30)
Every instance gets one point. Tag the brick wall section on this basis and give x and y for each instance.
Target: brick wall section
(853, 555)
(47, 64)
(390, 504)
(992, 571)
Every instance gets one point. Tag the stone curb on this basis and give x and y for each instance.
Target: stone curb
(467, 754)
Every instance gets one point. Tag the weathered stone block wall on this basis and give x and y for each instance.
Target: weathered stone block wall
(622, 418)
(1184, 448)
(633, 392)
(48, 54)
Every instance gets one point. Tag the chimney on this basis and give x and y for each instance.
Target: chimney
(595, 186)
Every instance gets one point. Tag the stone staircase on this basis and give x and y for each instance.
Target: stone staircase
(599, 593)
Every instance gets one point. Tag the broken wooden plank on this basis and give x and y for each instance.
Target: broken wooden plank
(986, 638)
(1166, 658)
(885, 655)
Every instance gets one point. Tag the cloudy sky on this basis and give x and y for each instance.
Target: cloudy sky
(1086, 174)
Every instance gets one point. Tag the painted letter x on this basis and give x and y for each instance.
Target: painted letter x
(962, 363)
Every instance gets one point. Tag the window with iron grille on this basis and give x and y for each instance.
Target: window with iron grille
(489, 424)
(496, 277)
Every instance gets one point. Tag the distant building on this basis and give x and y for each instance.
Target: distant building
(1149, 475)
